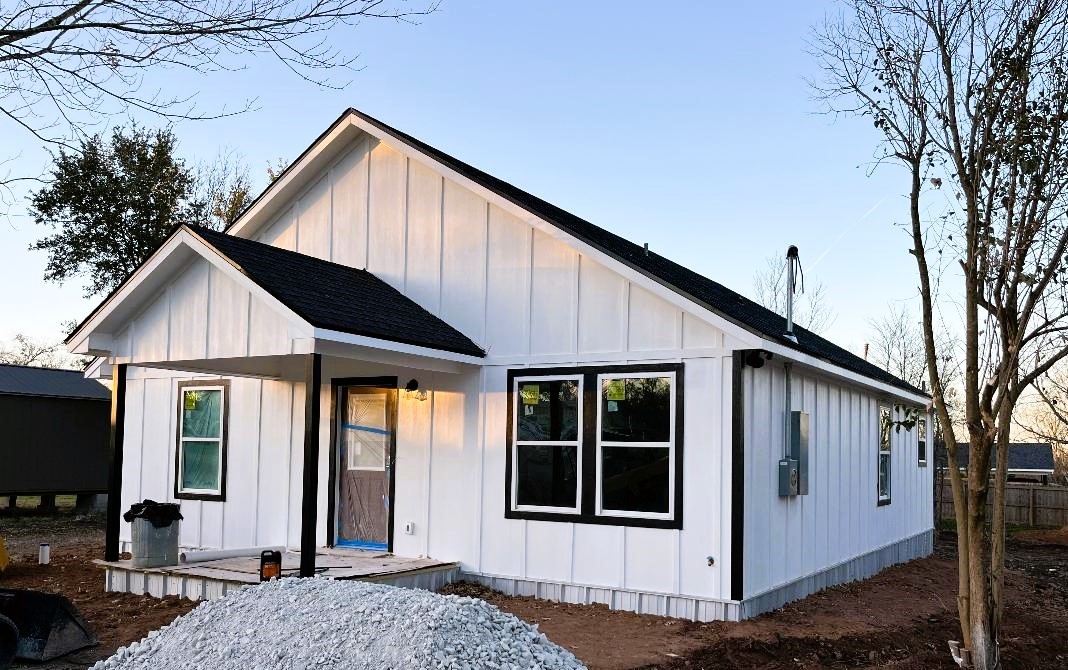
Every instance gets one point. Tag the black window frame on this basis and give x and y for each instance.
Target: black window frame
(922, 424)
(882, 500)
(588, 446)
(224, 440)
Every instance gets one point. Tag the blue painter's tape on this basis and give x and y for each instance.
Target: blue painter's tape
(366, 429)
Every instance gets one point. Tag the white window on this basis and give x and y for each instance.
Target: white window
(921, 440)
(636, 445)
(201, 455)
(547, 428)
(886, 425)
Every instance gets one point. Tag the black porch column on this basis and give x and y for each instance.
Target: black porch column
(313, 378)
(118, 430)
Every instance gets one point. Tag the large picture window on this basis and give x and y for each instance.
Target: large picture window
(200, 459)
(886, 426)
(595, 445)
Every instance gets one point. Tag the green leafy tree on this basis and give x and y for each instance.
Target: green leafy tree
(112, 203)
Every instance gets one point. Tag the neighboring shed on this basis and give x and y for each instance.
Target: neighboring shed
(55, 432)
(1027, 460)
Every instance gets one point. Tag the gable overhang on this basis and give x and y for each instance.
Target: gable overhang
(98, 334)
(347, 130)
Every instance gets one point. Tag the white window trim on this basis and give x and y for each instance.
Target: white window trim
(217, 440)
(517, 402)
(888, 452)
(599, 509)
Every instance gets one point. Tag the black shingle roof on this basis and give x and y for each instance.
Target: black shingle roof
(337, 297)
(713, 295)
(1022, 456)
(23, 380)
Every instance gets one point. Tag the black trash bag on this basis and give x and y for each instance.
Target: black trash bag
(160, 514)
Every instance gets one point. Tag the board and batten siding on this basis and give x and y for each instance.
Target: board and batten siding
(788, 538)
(203, 313)
(529, 299)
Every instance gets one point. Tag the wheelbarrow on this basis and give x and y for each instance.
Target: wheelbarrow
(36, 626)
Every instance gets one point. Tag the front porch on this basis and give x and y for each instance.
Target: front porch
(207, 580)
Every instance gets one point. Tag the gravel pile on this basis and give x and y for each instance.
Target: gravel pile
(322, 623)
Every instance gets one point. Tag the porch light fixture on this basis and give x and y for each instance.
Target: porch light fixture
(412, 390)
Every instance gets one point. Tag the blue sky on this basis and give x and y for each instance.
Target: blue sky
(689, 126)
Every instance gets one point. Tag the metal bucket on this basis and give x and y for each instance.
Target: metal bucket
(48, 625)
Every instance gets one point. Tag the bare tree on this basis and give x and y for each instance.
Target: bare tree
(25, 350)
(897, 347)
(66, 62)
(1044, 416)
(222, 189)
(811, 310)
(972, 96)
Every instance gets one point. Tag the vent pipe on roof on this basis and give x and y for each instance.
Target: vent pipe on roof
(793, 263)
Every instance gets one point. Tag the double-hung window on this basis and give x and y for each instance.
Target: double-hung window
(546, 468)
(921, 440)
(200, 459)
(636, 444)
(596, 445)
(886, 426)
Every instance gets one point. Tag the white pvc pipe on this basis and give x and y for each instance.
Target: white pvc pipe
(216, 554)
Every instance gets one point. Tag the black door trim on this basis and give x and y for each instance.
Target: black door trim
(388, 384)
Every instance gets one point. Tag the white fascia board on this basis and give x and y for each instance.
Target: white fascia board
(324, 153)
(833, 370)
(293, 182)
(654, 286)
(372, 343)
(88, 340)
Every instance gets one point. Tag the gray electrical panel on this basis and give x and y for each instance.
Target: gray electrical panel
(799, 449)
(787, 477)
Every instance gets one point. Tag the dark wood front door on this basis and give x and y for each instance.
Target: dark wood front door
(365, 447)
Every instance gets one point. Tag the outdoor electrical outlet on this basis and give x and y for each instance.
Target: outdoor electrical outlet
(409, 528)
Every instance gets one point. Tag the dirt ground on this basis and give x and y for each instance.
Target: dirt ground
(899, 619)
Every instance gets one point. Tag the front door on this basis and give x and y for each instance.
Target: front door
(365, 430)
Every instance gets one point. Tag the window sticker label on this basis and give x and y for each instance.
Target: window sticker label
(190, 400)
(613, 406)
(530, 393)
(615, 389)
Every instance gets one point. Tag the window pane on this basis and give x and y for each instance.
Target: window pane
(636, 410)
(200, 465)
(921, 430)
(635, 479)
(364, 432)
(548, 410)
(547, 475)
(201, 413)
(884, 475)
(885, 426)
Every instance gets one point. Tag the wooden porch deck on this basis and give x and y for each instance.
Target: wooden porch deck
(208, 580)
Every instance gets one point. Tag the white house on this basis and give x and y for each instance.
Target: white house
(392, 349)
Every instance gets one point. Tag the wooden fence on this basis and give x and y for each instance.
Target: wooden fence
(1025, 504)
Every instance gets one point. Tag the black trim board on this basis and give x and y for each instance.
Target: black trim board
(118, 433)
(313, 378)
(738, 475)
(389, 384)
(224, 443)
(589, 437)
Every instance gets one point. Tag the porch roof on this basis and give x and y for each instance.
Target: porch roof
(337, 297)
(327, 296)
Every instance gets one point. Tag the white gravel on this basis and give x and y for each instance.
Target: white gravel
(323, 623)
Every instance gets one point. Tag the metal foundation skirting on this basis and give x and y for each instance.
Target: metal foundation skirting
(195, 587)
(854, 569)
(662, 604)
(706, 609)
